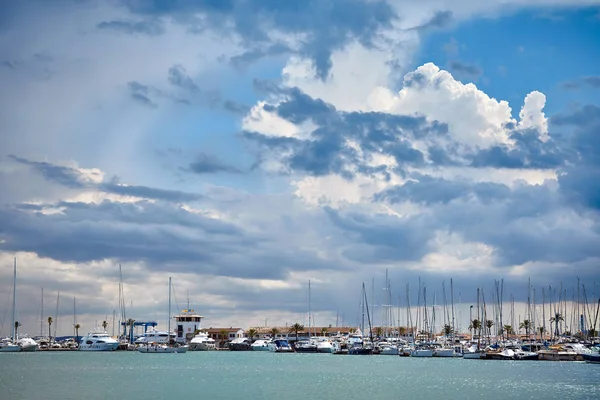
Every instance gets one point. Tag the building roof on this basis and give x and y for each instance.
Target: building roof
(218, 330)
(314, 330)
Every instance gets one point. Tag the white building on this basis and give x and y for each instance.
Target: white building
(186, 324)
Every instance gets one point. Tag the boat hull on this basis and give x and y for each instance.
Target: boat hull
(444, 353)
(161, 349)
(11, 348)
(99, 347)
(422, 353)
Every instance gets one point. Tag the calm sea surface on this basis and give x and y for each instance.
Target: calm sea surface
(258, 375)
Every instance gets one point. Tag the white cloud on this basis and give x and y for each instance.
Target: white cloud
(472, 116)
(532, 116)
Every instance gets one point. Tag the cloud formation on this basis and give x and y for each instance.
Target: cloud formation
(312, 146)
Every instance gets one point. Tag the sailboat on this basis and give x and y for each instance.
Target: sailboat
(163, 348)
(361, 348)
(11, 345)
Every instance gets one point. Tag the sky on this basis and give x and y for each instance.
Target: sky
(245, 147)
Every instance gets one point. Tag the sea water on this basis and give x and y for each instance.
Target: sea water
(264, 375)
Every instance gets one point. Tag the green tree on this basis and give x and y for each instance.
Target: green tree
(489, 323)
(251, 333)
(296, 328)
(508, 329)
(447, 329)
(379, 332)
(223, 335)
(324, 331)
(104, 325)
(77, 326)
(475, 325)
(274, 332)
(526, 324)
(541, 329)
(556, 319)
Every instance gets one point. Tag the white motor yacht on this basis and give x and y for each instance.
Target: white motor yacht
(202, 342)
(280, 346)
(260, 345)
(325, 346)
(153, 336)
(28, 344)
(97, 341)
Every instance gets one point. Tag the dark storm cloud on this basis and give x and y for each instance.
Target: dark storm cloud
(580, 180)
(161, 235)
(327, 25)
(207, 164)
(65, 176)
(465, 69)
(587, 81)
(327, 151)
(141, 94)
(146, 27)
(249, 57)
(388, 237)
(72, 178)
(179, 77)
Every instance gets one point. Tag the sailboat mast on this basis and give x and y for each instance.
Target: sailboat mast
(309, 334)
(42, 315)
(169, 319)
(14, 308)
(74, 318)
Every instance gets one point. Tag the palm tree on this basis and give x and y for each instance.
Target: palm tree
(17, 325)
(131, 324)
(104, 325)
(489, 323)
(274, 332)
(447, 330)
(223, 334)
(379, 332)
(402, 331)
(77, 326)
(542, 330)
(475, 325)
(49, 328)
(251, 333)
(296, 328)
(526, 324)
(556, 319)
(324, 331)
(508, 329)
(352, 330)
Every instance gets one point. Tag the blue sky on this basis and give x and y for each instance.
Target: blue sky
(523, 51)
(245, 147)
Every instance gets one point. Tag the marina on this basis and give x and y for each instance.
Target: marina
(270, 376)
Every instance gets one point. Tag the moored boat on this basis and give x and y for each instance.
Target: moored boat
(98, 341)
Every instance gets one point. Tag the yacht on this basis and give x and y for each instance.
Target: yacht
(201, 342)
(325, 346)
(306, 346)
(27, 344)
(97, 341)
(154, 336)
(161, 348)
(7, 346)
(280, 346)
(260, 345)
(240, 344)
